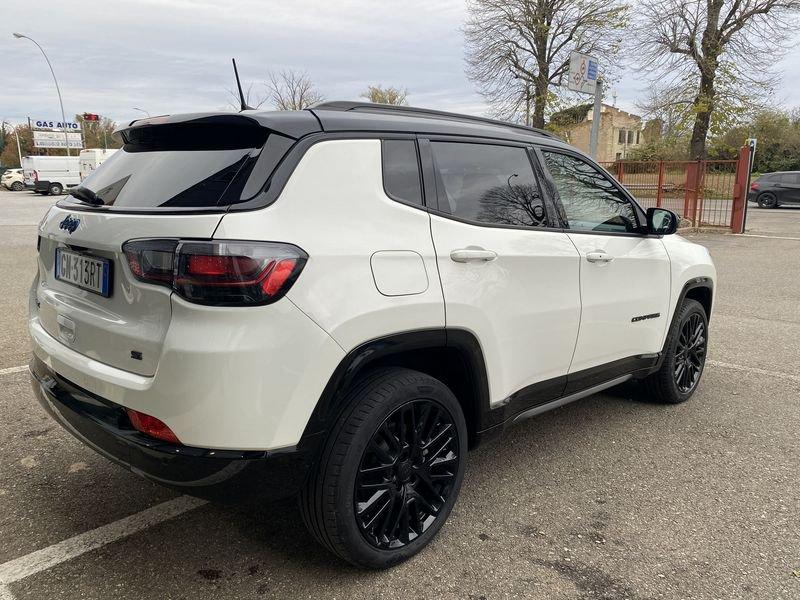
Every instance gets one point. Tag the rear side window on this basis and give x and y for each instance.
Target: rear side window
(185, 165)
(401, 178)
(488, 183)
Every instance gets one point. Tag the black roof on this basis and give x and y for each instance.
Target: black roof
(359, 116)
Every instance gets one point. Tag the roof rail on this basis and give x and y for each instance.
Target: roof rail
(345, 105)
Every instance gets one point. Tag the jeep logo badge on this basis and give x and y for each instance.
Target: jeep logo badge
(69, 223)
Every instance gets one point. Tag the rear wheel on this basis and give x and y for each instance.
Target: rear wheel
(17, 186)
(767, 200)
(684, 358)
(391, 470)
(55, 189)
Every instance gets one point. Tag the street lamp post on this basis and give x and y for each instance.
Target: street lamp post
(58, 90)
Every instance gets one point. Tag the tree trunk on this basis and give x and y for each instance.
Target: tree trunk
(541, 85)
(703, 107)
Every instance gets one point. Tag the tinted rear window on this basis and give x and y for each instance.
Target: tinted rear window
(401, 171)
(180, 166)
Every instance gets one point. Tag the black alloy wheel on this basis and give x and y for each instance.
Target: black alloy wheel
(407, 472)
(767, 200)
(690, 353)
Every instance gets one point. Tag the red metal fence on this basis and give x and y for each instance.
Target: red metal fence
(706, 192)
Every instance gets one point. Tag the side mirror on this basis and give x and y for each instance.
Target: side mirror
(661, 221)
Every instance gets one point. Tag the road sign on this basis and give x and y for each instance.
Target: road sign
(55, 139)
(582, 73)
(56, 125)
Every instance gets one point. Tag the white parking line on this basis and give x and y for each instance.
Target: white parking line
(41, 560)
(774, 237)
(777, 374)
(13, 370)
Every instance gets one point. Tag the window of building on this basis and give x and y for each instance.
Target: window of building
(630, 136)
(621, 139)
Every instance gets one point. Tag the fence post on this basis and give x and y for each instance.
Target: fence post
(620, 171)
(660, 183)
(740, 190)
(690, 196)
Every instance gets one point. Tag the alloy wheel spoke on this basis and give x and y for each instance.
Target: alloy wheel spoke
(406, 474)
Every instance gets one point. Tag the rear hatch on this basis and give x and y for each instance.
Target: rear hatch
(170, 180)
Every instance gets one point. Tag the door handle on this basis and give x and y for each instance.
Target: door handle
(599, 256)
(472, 254)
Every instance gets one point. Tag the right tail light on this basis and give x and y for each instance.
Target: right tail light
(217, 272)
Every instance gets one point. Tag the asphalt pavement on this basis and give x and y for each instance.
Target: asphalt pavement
(608, 498)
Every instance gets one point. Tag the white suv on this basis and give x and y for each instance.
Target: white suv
(337, 303)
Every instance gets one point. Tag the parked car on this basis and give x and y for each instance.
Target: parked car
(337, 303)
(12, 180)
(773, 189)
(48, 175)
(91, 158)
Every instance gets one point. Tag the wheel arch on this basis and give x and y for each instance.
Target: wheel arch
(453, 356)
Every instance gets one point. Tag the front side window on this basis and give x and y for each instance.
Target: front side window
(488, 183)
(401, 171)
(591, 201)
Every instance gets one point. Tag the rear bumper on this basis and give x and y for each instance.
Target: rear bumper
(219, 475)
(41, 186)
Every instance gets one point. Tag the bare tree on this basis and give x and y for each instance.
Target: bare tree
(251, 98)
(518, 49)
(713, 46)
(291, 90)
(389, 95)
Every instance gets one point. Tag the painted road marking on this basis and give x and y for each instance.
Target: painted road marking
(778, 374)
(772, 237)
(41, 560)
(13, 370)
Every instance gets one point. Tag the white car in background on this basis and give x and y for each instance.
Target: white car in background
(12, 180)
(91, 158)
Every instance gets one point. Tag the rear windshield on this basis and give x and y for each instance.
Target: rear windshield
(185, 165)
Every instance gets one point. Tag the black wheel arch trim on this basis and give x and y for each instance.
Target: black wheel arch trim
(693, 284)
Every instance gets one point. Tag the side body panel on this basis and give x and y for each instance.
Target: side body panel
(523, 306)
(335, 208)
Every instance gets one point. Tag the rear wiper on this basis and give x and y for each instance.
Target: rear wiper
(86, 195)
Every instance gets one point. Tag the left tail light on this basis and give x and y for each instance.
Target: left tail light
(219, 272)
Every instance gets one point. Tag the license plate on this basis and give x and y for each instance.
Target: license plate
(87, 272)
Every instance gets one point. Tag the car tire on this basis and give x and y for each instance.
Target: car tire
(55, 189)
(17, 186)
(767, 200)
(684, 357)
(383, 488)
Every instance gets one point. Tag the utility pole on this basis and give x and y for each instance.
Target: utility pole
(19, 150)
(596, 112)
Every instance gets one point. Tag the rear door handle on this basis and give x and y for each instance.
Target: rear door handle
(472, 254)
(598, 256)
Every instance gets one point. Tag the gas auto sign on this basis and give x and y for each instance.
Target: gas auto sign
(47, 124)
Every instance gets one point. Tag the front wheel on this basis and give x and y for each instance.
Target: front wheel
(391, 469)
(55, 189)
(684, 356)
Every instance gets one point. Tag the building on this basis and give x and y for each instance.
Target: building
(620, 131)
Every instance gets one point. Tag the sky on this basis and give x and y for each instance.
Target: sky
(172, 56)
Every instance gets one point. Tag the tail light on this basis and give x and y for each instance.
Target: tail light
(217, 273)
(151, 426)
(754, 186)
(36, 175)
